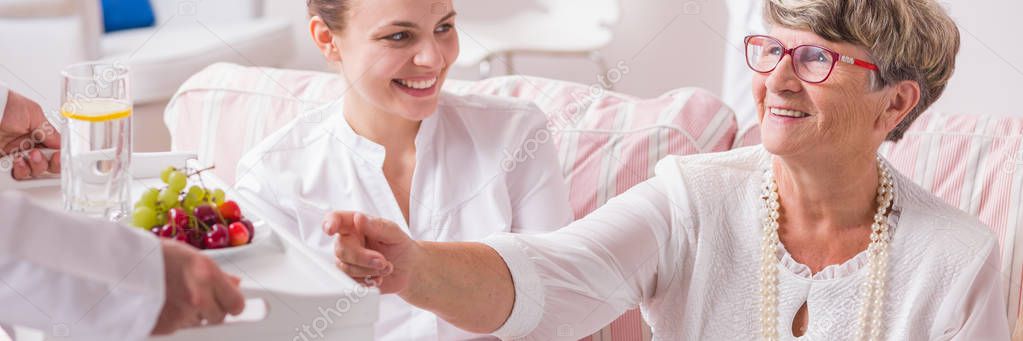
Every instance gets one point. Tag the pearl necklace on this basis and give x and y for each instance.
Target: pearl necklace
(877, 251)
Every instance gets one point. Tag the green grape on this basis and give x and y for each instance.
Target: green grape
(169, 198)
(218, 196)
(165, 175)
(197, 191)
(189, 206)
(177, 181)
(144, 217)
(148, 198)
(194, 196)
(161, 218)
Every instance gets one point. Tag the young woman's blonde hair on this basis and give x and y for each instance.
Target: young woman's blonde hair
(912, 40)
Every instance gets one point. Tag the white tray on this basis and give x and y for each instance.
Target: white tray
(291, 294)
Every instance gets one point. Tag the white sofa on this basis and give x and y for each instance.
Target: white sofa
(40, 37)
(608, 142)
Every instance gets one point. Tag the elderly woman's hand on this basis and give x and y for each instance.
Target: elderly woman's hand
(23, 129)
(373, 251)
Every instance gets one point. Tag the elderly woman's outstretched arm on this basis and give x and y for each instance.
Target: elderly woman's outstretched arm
(560, 285)
(467, 284)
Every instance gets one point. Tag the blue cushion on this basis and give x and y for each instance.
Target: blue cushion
(127, 14)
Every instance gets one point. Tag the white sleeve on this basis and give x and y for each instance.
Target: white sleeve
(75, 277)
(977, 310)
(538, 191)
(574, 281)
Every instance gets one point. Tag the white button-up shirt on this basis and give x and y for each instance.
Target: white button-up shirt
(483, 165)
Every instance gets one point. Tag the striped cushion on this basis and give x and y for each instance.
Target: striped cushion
(226, 109)
(748, 137)
(608, 142)
(975, 163)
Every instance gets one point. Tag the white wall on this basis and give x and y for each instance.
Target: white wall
(675, 43)
(664, 45)
(989, 74)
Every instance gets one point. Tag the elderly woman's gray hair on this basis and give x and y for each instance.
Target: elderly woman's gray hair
(912, 40)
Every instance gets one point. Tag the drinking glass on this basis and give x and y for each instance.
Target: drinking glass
(96, 125)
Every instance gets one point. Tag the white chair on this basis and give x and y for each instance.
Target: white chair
(569, 28)
(40, 37)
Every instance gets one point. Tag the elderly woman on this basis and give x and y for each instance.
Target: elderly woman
(811, 234)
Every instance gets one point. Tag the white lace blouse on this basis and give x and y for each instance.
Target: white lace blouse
(685, 247)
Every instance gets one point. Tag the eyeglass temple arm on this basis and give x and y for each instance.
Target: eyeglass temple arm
(857, 62)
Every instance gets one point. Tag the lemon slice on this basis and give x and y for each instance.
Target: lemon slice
(96, 110)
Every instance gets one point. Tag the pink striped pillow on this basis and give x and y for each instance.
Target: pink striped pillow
(226, 109)
(975, 163)
(608, 142)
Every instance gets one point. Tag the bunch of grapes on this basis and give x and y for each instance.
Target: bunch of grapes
(198, 217)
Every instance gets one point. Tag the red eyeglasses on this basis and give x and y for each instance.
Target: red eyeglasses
(812, 63)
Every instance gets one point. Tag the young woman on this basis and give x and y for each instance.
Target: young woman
(447, 167)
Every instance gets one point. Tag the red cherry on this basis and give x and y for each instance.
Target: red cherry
(229, 211)
(239, 234)
(182, 236)
(248, 225)
(196, 238)
(206, 215)
(217, 238)
(167, 231)
(177, 217)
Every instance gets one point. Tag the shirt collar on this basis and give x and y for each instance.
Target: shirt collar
(368, 151)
